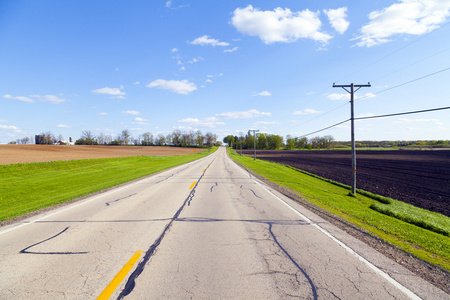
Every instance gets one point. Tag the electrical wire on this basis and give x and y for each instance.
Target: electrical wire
(392, 53)
(405, 83)
(326, 128)
(404, 113)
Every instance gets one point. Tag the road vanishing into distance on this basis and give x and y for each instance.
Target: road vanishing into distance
(203, 230)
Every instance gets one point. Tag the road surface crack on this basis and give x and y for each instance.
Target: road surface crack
(25, 250)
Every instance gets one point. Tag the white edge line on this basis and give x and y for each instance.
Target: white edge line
(90, 200)
(388, 278)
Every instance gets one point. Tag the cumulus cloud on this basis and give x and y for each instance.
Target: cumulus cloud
(140, 121)
(131, 112)
(116, 92)
(207, 122)
(263, 93)
(33, 98)
(230, 50)
(337, 18)
(196, 60)
(307, 111)
(19, 98)
(347, 96)
(183, 87)
(413, 17)
(10, 128)
(250, 114)
(279, 25)
(49, 98)
(206, 40)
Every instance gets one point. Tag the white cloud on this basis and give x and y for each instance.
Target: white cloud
(250, 114)
(405, 120)
(279, 25)
(196, 60)
(131, 112)
(263, 93)
(49, 98)
(32, 98)
(337, 18)
(140, 121)
(183, 87)
(413, 17)
(169, 4)
(207, 122)
(206, 40)
(230, 50)
(266, 123)
(174, 50)
(116, 92)
(209, 80)
(347, 96)
(307, 111)
(10, 128)
(338, 96)
(137, 82)
(63, 126)
(19, 98)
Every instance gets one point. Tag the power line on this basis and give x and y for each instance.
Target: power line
(404, 113)
(392, 53)
(326, 128)
(405, 83)
(319, 116)
(410, 65)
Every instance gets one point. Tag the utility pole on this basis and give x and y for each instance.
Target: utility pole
(352, 119)
(254, 141)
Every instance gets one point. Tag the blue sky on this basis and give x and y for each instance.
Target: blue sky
(223, 67)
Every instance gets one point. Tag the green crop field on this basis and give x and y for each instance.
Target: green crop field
(28, 187)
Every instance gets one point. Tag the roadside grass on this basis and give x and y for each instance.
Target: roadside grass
(334, 197)
(28, 187)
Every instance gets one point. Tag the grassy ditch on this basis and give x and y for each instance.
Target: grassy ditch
(399, 231)
(25, 188)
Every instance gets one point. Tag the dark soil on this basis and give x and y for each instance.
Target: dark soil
(421, 178)
(433, 274)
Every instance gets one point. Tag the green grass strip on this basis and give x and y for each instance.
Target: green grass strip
(414, 215)
(25, 188)
(422, 243)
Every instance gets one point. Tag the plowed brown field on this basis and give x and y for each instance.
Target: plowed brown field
(421, 178)
(12, 154)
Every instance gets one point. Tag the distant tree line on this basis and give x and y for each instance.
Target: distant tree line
(176, 138)
(273, 141)
(263, 141)
(396, 144)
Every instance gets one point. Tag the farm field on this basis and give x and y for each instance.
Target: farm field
(13, 154)
(421, 178)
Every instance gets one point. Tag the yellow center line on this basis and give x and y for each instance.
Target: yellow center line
(192, 185)
(107, 292)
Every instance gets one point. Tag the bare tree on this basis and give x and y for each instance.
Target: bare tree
(161, 140)
(147, 139)
(210, 139)
(101, 139)
(176, 137)
(199, 138)
(125, 136)
(169, 139)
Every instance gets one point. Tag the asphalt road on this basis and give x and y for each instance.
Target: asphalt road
(204, 230)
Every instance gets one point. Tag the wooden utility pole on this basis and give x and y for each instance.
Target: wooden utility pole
(352, 119)
(254, 141)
